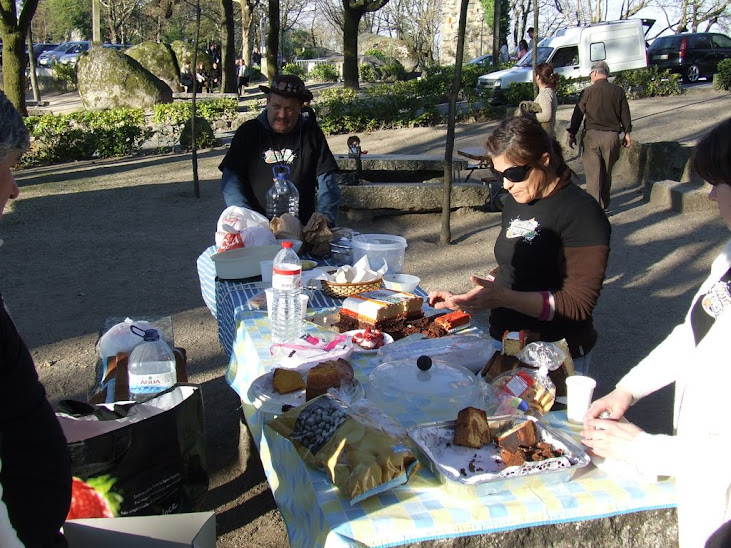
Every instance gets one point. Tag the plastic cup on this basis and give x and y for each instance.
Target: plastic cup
(266, 270)
(579, 391)
(304, 299)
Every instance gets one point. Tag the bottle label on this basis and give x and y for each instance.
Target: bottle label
(151, 383)
(287, 277)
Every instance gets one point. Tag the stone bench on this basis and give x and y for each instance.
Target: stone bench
(186, 96)
(367, 200)
(399, 168)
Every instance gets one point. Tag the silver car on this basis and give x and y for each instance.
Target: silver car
(50, 58)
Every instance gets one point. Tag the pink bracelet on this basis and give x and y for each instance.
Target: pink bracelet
(546, 309)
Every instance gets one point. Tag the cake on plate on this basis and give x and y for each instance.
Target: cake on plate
(377, 308)
(326, 375)
(471, 428)
(287, 380)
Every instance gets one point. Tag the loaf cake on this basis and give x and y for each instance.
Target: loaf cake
(287, 380)
(375, 308)
(326, 375)
(523, 434)
(471, 428)
(453, 321)
(513, 342)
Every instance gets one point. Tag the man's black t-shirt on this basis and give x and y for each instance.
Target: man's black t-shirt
(255, 150)
(36, 467)
(531, 252)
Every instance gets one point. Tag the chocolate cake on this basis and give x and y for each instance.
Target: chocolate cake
(471, 428)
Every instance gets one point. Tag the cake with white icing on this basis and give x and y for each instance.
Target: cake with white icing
(377, 308)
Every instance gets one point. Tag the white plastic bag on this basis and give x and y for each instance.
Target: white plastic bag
(233, 221)
(119, 338)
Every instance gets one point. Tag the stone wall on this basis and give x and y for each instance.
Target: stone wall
(478, 33)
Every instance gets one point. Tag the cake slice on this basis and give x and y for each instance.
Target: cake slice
(374, 308)
(513, 342)
(523, 434)
(287, 380)
(471, 428)
(454, 320)
(326, 375)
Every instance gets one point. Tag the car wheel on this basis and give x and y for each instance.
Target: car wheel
(692, 73)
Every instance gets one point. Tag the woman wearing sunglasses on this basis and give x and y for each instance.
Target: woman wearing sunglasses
(551, 252)
(695, 358)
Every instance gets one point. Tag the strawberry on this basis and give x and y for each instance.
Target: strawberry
(93, 498)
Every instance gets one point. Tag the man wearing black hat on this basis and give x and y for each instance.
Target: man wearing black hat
(279, 136)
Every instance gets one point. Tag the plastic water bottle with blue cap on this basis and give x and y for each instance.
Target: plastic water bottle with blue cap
(282, 197)
(151, 365)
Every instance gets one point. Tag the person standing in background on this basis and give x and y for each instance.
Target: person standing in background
(522, 49)
(531, 33)
(504, 54)
(547, 80)
(244, 74)
(607, 115)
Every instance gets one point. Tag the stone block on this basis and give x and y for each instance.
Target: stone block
(412, 197)
(680, 196)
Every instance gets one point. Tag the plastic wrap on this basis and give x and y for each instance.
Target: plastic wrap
(470, 351)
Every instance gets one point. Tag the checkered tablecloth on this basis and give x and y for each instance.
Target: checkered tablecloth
(316, 515)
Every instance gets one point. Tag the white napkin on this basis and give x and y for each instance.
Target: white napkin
(360, 272)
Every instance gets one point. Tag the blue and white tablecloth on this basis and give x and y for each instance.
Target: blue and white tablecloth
(316, 515)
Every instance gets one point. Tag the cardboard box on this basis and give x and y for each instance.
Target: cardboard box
(197, 530)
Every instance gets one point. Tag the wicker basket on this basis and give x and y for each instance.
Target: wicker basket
(340, 291)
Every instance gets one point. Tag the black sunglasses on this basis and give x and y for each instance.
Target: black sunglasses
(515, 174)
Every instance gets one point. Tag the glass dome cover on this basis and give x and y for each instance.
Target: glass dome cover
(414, 396)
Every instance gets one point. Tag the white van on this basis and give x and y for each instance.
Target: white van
(573, 50)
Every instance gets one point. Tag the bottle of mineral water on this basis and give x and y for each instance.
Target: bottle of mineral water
(151, 366)
(286, 318)
(283, 197)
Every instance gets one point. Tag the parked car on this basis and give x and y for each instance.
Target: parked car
(481, 61)
(693, 55)
(40, 48)
(71, 57)
(50, 58)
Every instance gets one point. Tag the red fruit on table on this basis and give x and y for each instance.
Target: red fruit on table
(93, 499)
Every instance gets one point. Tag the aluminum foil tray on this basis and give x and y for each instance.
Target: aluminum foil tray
(481, 471)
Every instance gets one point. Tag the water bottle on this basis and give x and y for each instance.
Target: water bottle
(151, 365)
(283, 197)
(286, 318)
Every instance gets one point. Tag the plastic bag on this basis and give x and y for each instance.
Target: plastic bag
(363, 453)
(533, 385)
(311, 350)
(232, 222)
(119, 338)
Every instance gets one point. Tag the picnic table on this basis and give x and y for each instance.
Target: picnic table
(315, 514)
(477, 155)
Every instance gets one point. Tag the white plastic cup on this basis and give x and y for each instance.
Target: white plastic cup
(304, 299)
(266, 270)
(579, 391)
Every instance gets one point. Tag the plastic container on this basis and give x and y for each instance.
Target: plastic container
(380, 247)
(286, 317)
(282, 197)
(415, 390)
(401, 282)
(151, 366)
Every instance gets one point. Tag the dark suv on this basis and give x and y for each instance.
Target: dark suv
(692, 54)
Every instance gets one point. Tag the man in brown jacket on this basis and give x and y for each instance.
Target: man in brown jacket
(607, 115)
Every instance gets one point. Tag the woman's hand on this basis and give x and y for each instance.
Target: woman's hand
(615, 403)
(610, 439)
(484, 295)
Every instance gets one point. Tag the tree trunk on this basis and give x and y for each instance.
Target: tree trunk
(32, 67)
(351, 20)
(14, 69)
(273, 40)
(445, 236)
(247, 19)
(228, 50)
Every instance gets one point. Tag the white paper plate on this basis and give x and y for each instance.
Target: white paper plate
(264, 397)
(387, 339)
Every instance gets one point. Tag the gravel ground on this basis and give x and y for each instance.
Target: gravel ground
(93, 240)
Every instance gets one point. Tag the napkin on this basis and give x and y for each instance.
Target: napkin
(360, 272)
